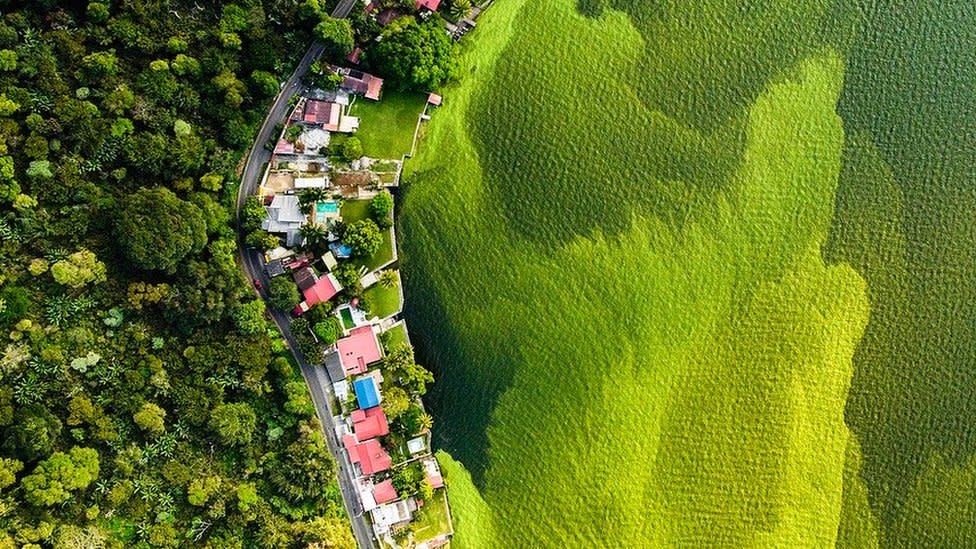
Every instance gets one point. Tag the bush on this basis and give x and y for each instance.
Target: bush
(328, 331)
(352, 149)
(381, 208)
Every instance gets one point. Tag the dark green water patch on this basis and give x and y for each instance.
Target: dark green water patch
(906, 219)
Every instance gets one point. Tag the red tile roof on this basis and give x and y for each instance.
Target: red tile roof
(375, 87)
(363, 83)
(325, 113)
(284, 147)
(384, 492)
(370, 456)
(434, 99)
(353, 56)
(370, 423)
(358, 350)
(432, 5)
(323, 290)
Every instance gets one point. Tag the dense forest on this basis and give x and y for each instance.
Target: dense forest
(144, 401)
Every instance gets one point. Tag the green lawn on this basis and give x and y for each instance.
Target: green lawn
(435, 521)
(386, 126)
(356, 210)
(395, 336)
(383, 301)
(347, 321)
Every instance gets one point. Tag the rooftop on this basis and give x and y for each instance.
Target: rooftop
(369, 455)
(370, 423)
(433, 473)
(359, 349)
(324, 113)
(284, 208)
(304, 277)
(367, 393)
(334, 366)
(432, 5)
(384, 492)
(323, 290)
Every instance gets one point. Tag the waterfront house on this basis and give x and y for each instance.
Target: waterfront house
(359, 349)
(367, 392)
(369, 423)
(369, 456)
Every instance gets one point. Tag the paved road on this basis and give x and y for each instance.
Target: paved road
(318, 383)
(343, 8)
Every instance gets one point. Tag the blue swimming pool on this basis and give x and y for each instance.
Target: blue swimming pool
(327, 207)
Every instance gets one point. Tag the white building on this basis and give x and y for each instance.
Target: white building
(285, 217)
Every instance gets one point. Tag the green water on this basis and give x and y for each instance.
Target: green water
(702, 274)
(906, 220)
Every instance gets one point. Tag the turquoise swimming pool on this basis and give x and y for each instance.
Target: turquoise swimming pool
(327, 207)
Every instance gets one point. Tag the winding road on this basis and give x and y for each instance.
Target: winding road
(251, 261)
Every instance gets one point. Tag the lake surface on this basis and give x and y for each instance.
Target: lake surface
(703, 274)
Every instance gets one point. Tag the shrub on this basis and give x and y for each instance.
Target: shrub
(381, 208)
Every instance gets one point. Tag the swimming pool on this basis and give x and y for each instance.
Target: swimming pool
(327, 207)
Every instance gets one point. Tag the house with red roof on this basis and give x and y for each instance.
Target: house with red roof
(431, 5)
(359, 349)
(324, 113)
(362, 83)
(384, 492)
(369, 456)
(320, 290)
(369, 423)
(432, 472)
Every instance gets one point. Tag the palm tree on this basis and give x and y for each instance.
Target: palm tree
(307, 197)
(460, 9)
(425, 422)
(389, 278)
(314, 234)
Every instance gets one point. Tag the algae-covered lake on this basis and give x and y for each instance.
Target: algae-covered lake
(703, 274)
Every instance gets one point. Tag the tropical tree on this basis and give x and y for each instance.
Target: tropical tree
(314, 234)
(249, 317)
(336, 35)
(283, 294)
(381, 208)
(307, 197)
(363, 237)
(233, 423)
(79, 269)
(416, 55)
(460, 9)
(352, 149)
(55, 478)
(328, 330)
(252, 214)
(150, 418)
(157, 229)
(389, 278)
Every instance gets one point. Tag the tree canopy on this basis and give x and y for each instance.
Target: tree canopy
(157, 229)
(416, 55)
(336, 36)
(128, 326)
(364, 237)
